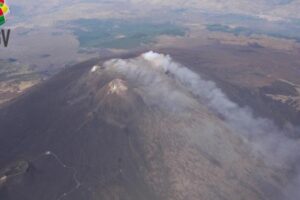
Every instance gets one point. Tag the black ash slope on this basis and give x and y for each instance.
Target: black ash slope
(124, 129)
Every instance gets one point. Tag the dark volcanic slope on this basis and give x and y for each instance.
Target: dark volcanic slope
(124, 129)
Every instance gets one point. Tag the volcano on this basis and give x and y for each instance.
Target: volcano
(128, 129)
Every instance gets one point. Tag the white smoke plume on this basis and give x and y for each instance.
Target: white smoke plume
(157, 72)
(262, 132)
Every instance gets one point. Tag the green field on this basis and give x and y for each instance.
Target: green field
(120, 34)
(291, 33)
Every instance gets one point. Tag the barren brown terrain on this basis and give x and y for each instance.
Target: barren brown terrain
(265, 79)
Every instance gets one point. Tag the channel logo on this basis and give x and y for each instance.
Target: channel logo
(4, 10)
(5, 34)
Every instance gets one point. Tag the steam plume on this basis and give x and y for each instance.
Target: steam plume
(176, 87)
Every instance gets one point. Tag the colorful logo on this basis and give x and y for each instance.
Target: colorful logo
(4, 9)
